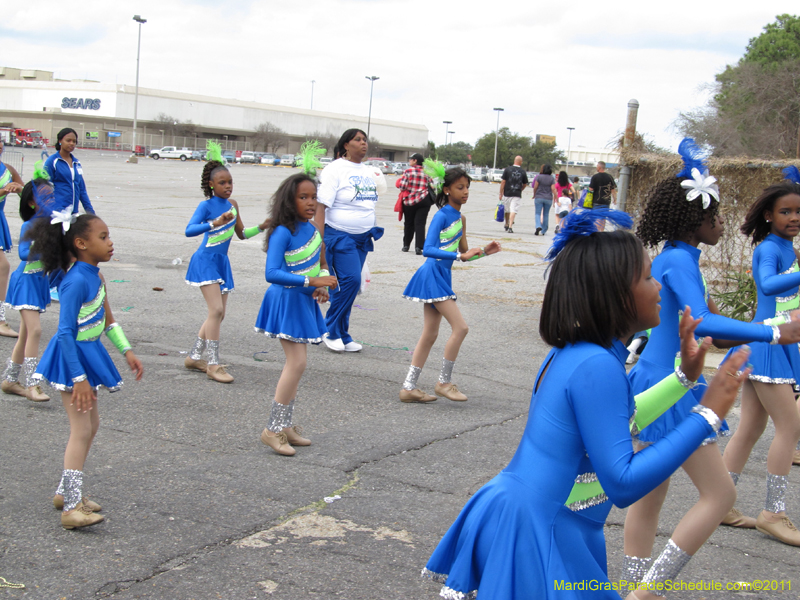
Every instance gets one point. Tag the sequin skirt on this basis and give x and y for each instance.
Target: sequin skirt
(291, 314)
(773, 363)
(431, 283)
(206, 268)
(97, 364)
(29, 291)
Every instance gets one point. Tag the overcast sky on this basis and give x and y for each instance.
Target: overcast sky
(550, 65)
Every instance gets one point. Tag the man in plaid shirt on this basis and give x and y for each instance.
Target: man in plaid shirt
(413, 184)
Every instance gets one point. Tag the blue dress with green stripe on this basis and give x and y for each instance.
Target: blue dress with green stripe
(210, 264)
(288, 310)
(5, 233)
(433, 280)
(76, 352)
(28, 288)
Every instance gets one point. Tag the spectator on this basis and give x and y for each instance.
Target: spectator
(544, 190)
(413, 184)
(515, 179)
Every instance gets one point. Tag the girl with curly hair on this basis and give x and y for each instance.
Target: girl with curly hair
(683, 212)
(217, 218)
(772, 223)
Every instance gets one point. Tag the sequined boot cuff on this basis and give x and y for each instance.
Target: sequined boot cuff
(776, 493)
(634, 568)
(196, 353)
(280, 416)
(411, 379)
(666, 567)
(2, 312)
(447, 371)
(735, 477)
(60, 488)
(12, 371)
(73, 482)
(212, 351)
(29, 365)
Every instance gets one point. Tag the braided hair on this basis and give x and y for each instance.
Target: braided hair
(668, 215)
(57, 249)
(283, 210)
(209, 170)
(755, 226)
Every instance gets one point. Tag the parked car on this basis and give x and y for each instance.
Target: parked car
(171, 152)
(229, 156)
(400, 167)
(584, 181)
(384, 165)
(479, 174)
(495, 175)
(326, 160)
(198, 155)
(270, 159)
(246, 157)
(287, 160)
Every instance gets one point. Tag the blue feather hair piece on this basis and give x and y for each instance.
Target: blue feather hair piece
(582, 223)
(693, 157)
(792, 173)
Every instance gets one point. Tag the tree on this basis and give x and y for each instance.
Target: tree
(175, 128)
(328, 139)
(509, 145)
(779, 42)
(454, 154)
(270, 137)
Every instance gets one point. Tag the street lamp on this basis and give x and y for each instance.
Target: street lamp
(312, 93)
(372, 80)
(569, 145)
(446, 127)
(141, 21)
(451, 133)
(496, 133)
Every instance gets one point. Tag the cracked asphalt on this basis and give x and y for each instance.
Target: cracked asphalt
(197, 508)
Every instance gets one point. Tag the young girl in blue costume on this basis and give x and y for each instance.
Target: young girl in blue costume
(75, 361)
(432, 285)
(298, 272)
(10, 183)
(29, 293)
(515, 538)
(216, 219)
(772, 222)
(683, 212)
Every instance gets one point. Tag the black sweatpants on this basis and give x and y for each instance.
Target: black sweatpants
(415, 217)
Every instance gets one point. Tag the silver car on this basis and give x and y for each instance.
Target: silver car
(400, 167)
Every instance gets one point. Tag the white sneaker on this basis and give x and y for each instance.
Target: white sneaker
(335, 345)
(352, 347)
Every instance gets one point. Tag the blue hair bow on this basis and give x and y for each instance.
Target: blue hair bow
(582, 223)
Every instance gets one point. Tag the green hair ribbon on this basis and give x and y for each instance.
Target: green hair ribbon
(309, 153)
(214, 152)
(39, 172)
(436, 171)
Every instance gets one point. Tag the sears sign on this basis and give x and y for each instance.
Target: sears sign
(84, 103)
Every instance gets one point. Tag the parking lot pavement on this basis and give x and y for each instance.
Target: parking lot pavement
(198, 508)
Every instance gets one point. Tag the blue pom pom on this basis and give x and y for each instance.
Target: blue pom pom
(693, 157)
(792, 173)
(582, 223)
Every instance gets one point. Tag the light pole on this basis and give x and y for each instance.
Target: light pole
(496, 133)
(141, 21)
(82, 141)
(312, 93)
(569, 146)
(372, 80)
(446, 127)
(451, 133)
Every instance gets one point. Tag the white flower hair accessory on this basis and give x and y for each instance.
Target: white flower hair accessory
(66, 217)
(701, 184)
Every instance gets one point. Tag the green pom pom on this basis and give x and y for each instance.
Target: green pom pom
(436, 171)
(39, 172)
(309, 154)
(214, 152)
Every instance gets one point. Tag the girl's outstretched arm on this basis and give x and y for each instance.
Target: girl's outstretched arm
(239, 227)
(463, 246)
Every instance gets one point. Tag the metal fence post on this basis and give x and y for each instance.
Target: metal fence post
(625, 170)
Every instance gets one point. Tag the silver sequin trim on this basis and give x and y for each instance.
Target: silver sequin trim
(765, 379)
(27, 307)
(431, 300)
(212, 352)
(443, 244)
(196, 353)
(38, 377)
(776, 492)
(73, 482)
(202, 283)
(588, 503)
(2, 312)
(296, 251)
(709, 415)
(83, 320)
(79, 378)
(790, 269)
(446, 592)
(32, 271)
(87, 327)
(283, 336)
(786, 298)
(634, 568)
(633, 426)
(12, 371)
(307, 269)
(280, 416)
(411, 378)
(446, 374)
(586, 478)
(667, 566)
(28, 369)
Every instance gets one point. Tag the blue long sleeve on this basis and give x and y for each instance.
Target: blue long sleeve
(71, 293)
(24, 247)
(684, 279)
(770, 280)
(198, 224)
(84, 196)
(603, 422)
(279, 241)
(431, 247)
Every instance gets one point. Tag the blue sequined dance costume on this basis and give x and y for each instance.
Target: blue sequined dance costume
(288, 311)
(677, 269)
(210, 262)
(433, 280)
(5, 233)
(515, 539)
(777, 278)
(76, 353)
(28, 288)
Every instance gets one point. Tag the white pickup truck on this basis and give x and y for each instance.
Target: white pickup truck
(171, 152)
